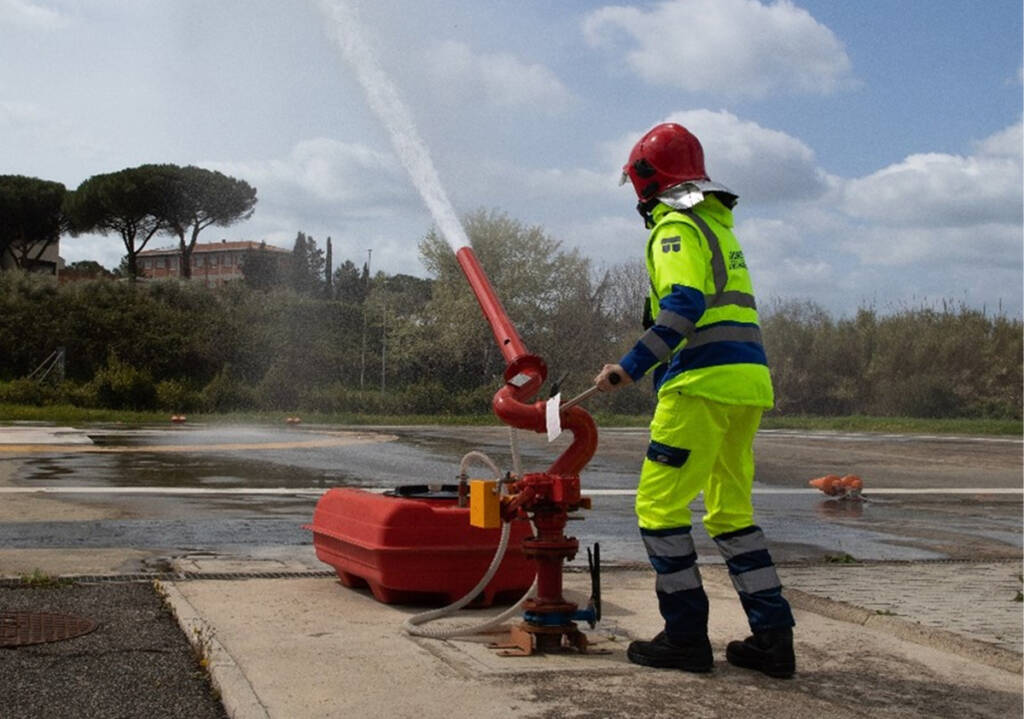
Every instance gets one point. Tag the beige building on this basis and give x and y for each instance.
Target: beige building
(48, 262)
(213, 263)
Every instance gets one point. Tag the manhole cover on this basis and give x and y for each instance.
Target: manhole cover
(20, 628)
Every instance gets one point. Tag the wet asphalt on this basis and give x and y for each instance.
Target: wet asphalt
(801, 524)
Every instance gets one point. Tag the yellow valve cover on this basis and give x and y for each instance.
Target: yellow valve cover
(484, 504)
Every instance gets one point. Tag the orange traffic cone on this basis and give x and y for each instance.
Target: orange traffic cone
(830, 484)
(834, 486)
(852, 484)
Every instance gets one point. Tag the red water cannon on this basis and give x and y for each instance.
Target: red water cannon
(546, 498)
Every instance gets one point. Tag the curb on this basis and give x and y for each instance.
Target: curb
(236, 693)
(942, 639)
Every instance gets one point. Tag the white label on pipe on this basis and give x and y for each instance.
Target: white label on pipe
(554, 419)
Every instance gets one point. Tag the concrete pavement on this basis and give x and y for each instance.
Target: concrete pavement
(308, 647)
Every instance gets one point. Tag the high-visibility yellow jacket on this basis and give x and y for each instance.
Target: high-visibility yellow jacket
(705, 339)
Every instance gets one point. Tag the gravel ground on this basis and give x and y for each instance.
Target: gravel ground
(136, 663)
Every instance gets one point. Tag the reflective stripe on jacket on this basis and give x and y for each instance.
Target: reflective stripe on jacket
(706, 337)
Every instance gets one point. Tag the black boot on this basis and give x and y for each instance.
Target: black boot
(770, 651)
(691, 656)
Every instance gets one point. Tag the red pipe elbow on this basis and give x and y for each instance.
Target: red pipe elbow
(510, 410)
(524, 375)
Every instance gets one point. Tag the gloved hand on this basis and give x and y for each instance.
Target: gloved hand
(611, 377)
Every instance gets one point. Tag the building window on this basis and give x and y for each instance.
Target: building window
(197, 260)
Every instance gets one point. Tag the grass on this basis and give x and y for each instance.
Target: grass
(905, 425)
(39, 579)
(66, 414)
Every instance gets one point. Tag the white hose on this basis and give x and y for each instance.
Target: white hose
(484, 459)
(410, 625)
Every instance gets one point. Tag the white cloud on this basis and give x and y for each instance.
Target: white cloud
(610, 239)
(28, 124)
(321, 171)
(26, 14)
(731, 47)
(939, 190)
(932, 227)
(1005, 143)
(784, 260)
(359, 196)
(564, 183)
(16, 116)
(503, 79)
(938, 248)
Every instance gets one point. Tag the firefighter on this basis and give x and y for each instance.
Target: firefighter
(703, 347)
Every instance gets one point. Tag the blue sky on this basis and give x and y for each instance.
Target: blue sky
(876, 146)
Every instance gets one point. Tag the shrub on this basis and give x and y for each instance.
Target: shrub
(226, 392)
(430, 397)
(118, 385)
(79, 395)
(279, 388)
(176, 396)
(27, 391)
(473, 401)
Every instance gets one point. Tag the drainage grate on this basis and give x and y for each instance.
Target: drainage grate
(21, 628)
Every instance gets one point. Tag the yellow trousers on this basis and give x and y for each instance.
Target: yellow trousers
(698, 445)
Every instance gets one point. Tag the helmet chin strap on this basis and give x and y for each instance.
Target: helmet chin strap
(644, 207)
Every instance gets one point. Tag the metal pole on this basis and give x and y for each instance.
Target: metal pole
(362, 353)
(383, 346)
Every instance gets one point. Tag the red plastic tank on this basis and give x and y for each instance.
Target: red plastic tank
(416, 546)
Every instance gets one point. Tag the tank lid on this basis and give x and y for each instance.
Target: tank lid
(425, 491)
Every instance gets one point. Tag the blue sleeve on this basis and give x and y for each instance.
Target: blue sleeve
(678, 313)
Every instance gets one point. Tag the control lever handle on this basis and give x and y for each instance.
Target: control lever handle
(614, 378)
(594, 562)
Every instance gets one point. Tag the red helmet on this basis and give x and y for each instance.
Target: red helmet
(666, 156)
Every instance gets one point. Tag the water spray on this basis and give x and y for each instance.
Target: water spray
(384, 100)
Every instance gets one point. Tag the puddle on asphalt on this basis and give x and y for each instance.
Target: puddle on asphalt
(170, 470)
(237, 457)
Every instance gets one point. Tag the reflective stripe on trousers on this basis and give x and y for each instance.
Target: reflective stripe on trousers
(681, 598)
(754, 578)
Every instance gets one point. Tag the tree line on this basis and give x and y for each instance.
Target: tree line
(346, 342)
(135, 203)
(142, 202)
